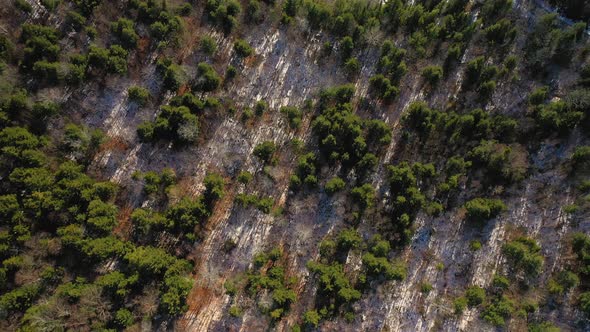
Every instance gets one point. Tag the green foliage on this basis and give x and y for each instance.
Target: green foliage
(293, 114)
(124, 318)
(265, 151)
(349, 239)
(581, 158)
(223, 13)
(270, 274)
(173, 76)
(333, 282)
(263, 204)
(149, 260)
(112, 60)
(364, 195)
(187, 213)
(584, 303)
(138, 95)
(334, 184)
(23, 6)
(497, 311)
(178, 124)
(19, 299)
(208, 45)
(459, 305)
(501, 32)
(483, 209)
(214, 188)
(207, 78)
(524, 255)
(245, 177)
(381, 266)
(564, 281)
(500, 161)
(242, 48)
(432, 74)
(311, 318)
(125, 32)
(581, 247)
(475, 296)
(547, 43)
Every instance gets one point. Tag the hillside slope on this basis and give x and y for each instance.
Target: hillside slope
(298, 165)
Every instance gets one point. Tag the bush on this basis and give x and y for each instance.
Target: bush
(364, 195)
(475, 296)
(584, 303)
(208, 45)
(432, 74)
(260, 107)
(23, 6)
(293, 114)
(497, 311)
(581, 157)
(242, 48)
(311, 318)
(265, 151)
(245, 177)
(352, 67)
(349, 239)
(346, 47)
(138, 95)
(334, 184)
(125, 32)
(207, 78)
(524, 255)
(483, 209)
(124, 317)
(224, 13)
(459, 304)
(254, 12)
(75, 19)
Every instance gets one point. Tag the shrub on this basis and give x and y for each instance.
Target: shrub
(346, 47)
(208, 45)
(214, 188)
(23, 6)
(352, 67)
(265, 151)
(254, 12)
(207, 78)
(349, 239)
(432, 74)
(475, 296)
(583, 300)
(497, 311)
(245, 177)
(501, 32)
(231, 72)
(125, 32)
(459, 304)
(364, 195)
(581, 157)
(138, 95)
(242, 48)
(124, 317)
(524, 255)
(260, 107)
(75, 19)
(224, 13)
(380, 266)
(311, 318)
(334, 184)
(293, 114)
(483, 209)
